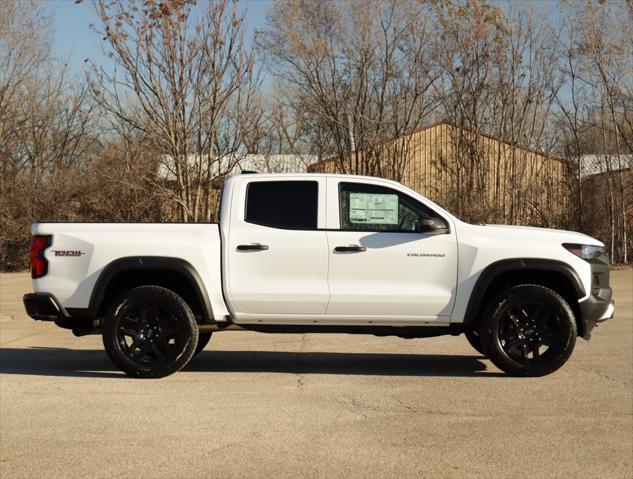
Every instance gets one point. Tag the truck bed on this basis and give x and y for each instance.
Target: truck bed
(80, 251)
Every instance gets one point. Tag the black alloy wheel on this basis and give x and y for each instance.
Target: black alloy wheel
(474, 340)
(150, 332)
(203, 340)
(528, 331)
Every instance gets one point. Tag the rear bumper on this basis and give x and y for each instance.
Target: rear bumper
(44, 307)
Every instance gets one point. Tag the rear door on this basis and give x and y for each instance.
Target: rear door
(277, 257)
(382, 266)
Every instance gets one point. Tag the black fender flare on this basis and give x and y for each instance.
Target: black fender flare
(493, 270)
(147, 263)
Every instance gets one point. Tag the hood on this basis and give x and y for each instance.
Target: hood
(527, 232)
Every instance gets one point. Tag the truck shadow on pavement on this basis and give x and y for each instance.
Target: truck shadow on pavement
(92, 363)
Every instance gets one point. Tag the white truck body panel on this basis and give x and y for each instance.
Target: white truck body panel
(410, 276)
(290, 278)
(72, 279)
(401, 278)
(320, 253)
(482, 245)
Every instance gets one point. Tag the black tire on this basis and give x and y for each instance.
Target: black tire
(475, 342)
(150, 332)
(203, 340)
(529, 330)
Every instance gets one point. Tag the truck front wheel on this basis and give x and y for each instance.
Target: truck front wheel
(150, 332)
(474, 340)
(529, 330)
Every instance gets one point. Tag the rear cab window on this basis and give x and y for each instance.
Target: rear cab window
(291, 205)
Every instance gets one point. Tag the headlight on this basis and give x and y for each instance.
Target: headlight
(584, 251)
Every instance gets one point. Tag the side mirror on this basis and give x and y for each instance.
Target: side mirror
(432, 225)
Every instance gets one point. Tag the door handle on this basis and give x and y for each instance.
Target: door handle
(252, 247)
(350, 249)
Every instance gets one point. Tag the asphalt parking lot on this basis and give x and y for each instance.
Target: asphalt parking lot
(257, 405)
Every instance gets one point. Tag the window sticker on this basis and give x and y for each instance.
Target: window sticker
(370, 208)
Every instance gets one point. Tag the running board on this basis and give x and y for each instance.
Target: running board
(400, 331)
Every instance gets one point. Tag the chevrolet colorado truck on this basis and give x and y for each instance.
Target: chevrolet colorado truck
(320, 253)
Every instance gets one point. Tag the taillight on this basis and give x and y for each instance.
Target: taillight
(39, 264)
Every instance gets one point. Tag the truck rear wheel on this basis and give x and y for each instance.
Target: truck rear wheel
(150, 332)
(203, 340)
(529, 330)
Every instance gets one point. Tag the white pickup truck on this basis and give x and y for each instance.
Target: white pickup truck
(320, 253)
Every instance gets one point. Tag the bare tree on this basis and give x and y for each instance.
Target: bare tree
(45, 130)
(358, 72)
(498, 77)
(570, 102)
(23, 54)
(184, 82)
(598, 64)
(474, 41)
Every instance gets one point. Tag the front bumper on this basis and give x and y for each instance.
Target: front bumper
(44, 307)
(594, 311)
(599, 306)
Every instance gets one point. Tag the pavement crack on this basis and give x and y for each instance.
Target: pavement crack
(405, 406)
(47, 330)
(619, 380)
(359, 407)
(433, 412)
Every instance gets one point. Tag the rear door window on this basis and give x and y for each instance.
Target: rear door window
(288, 205)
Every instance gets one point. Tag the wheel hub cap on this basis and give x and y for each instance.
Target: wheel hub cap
(529, 331)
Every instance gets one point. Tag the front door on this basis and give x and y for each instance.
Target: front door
(382, 263)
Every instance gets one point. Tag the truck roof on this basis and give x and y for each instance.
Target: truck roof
(253, 174)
